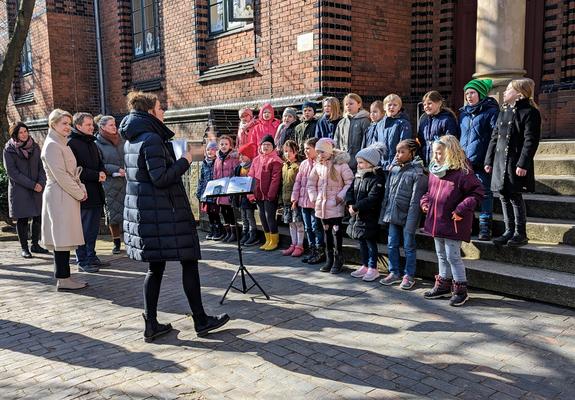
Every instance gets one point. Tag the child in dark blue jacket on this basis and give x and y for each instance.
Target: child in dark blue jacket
(209, 205)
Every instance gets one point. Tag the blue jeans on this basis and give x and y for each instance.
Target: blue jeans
(312, 227)
(86, 254)
(487, 202)
(368, 249)
(396, 232)
(449, 259)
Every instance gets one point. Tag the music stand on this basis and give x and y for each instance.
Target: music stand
(221, 188)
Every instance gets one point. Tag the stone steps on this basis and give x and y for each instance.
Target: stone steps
(555, 147)
(541, 229)
(555, 164)
(563, 185)
(545, 206)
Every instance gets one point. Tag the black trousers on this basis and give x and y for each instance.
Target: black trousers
(190, 280)
(268, 215)
(514, 212)
(333, 234)
(22, 230)
(228, 214)
(61, 264)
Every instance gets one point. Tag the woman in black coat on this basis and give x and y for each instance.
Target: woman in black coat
(27, 180)
(510, 156)
(158, 222)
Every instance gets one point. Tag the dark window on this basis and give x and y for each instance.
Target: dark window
(145, 30)
(227, 15)
(26, 59)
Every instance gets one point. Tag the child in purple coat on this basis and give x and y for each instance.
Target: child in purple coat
(452, 196)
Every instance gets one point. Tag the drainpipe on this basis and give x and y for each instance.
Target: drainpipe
(99, 55)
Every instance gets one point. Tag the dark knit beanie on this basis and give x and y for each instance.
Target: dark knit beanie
(309, 104)
(481, 86)
(269, 139)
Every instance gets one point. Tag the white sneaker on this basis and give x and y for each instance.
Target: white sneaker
(359, 273)
(371, 275)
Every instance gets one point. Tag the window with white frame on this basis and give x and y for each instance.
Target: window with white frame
(145, 30)
(227, 15)
(26, 58)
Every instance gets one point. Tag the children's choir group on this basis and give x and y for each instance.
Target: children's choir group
(371, 169)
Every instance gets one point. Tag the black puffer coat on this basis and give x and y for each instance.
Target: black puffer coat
(513, 144)
(365, 196)
(158, 220)
(88, 157)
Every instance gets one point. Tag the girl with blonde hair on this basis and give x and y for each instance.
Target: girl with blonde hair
(452, 196)
(326, 125)
(350, 131)
(509, 158)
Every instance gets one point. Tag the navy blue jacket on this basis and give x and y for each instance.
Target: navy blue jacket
(477, 123)
(206, 175)
(325, 127)
(432, 128)
(158, 221)
(390, 131)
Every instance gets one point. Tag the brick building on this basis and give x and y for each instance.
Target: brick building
(207, 58)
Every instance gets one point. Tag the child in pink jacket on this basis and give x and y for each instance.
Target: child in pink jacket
(300, 198)
(267, 170)
(267, 125)
(327, 185)
(224, 166)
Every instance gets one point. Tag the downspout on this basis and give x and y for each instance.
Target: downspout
(99, 55)
(320, 66)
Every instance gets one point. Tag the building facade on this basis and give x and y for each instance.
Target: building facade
(207, 58)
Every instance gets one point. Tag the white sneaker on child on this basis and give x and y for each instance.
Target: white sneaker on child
(371, 275)
(359, 273)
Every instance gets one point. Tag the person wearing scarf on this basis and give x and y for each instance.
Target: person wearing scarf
(111, 147)
(27, 180)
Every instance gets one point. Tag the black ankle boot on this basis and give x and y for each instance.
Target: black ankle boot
(231, 237)
(312, 251)
(154, 329)
(328, 262)
(337, 263)
(116, 249)
(252, 239)
(219, 233)
(36, 248)
(245, 237)
(204, 324)
(519, 238)
(503, 239)
(26, 253)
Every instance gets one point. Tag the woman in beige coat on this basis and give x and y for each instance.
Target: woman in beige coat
(61, 221)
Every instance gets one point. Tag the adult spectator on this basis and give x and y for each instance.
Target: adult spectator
(159, 225)
(27, 180)
(82, 142)
(61, 218)
(111, 147)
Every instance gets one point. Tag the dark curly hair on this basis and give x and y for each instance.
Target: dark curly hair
(15, 128)
(411, 145)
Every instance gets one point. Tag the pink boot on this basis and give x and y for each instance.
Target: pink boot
(288, 251)
(298, 251)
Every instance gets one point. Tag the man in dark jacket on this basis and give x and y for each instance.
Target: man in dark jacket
(159, 225)
(83, 144)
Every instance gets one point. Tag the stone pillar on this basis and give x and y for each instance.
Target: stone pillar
(500, 42)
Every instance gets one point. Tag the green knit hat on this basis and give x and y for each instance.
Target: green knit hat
(482, 86)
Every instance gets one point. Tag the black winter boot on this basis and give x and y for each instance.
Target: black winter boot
(328, 262)
(311, 254)
(252, 239)
(210, 234)
(459, 296)
(219, 233)
(204, 324)
(116, 249)
(231, 237)
(442, 288)
(337, 263)
(319, 256)
(520, 237)
(154, 329)
(245, 236)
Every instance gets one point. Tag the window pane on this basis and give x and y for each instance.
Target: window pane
(136, 5)
(216, 18)
(149, 15)
(138, 45)
(137, 19)
(242, 9)
(150, 42)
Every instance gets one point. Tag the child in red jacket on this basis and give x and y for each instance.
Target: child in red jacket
(452, 196)
(267, 170)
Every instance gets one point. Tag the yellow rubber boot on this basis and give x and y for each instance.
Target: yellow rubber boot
(274, 241)
(267, 243)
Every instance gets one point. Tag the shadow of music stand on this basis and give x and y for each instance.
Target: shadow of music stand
(242, 271)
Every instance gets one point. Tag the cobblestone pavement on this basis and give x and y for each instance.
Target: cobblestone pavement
(320, 337)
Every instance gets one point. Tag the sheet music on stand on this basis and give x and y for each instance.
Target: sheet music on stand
(229, 186)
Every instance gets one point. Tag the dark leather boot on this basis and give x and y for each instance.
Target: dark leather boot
(319, 256)
(337, 263)
(231, 237)
(520, 237)
(252, 239)
(311, 255)
(459, 296)
(204, 324)
(328, 261)
(154, 329)
(219, 232)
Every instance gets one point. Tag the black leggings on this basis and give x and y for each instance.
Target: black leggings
(22, 230)
(332, 227)
(214, 218)
(268, 215)
(61, 264)
(190, 280)
(228, 214)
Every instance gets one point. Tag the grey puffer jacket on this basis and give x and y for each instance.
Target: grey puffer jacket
(349, 135)
(405, 186)
(114, 187)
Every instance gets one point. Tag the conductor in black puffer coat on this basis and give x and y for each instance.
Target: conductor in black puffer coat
(158, 222)
(509, 158)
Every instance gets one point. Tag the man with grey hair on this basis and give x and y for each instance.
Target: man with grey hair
(82, 143)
